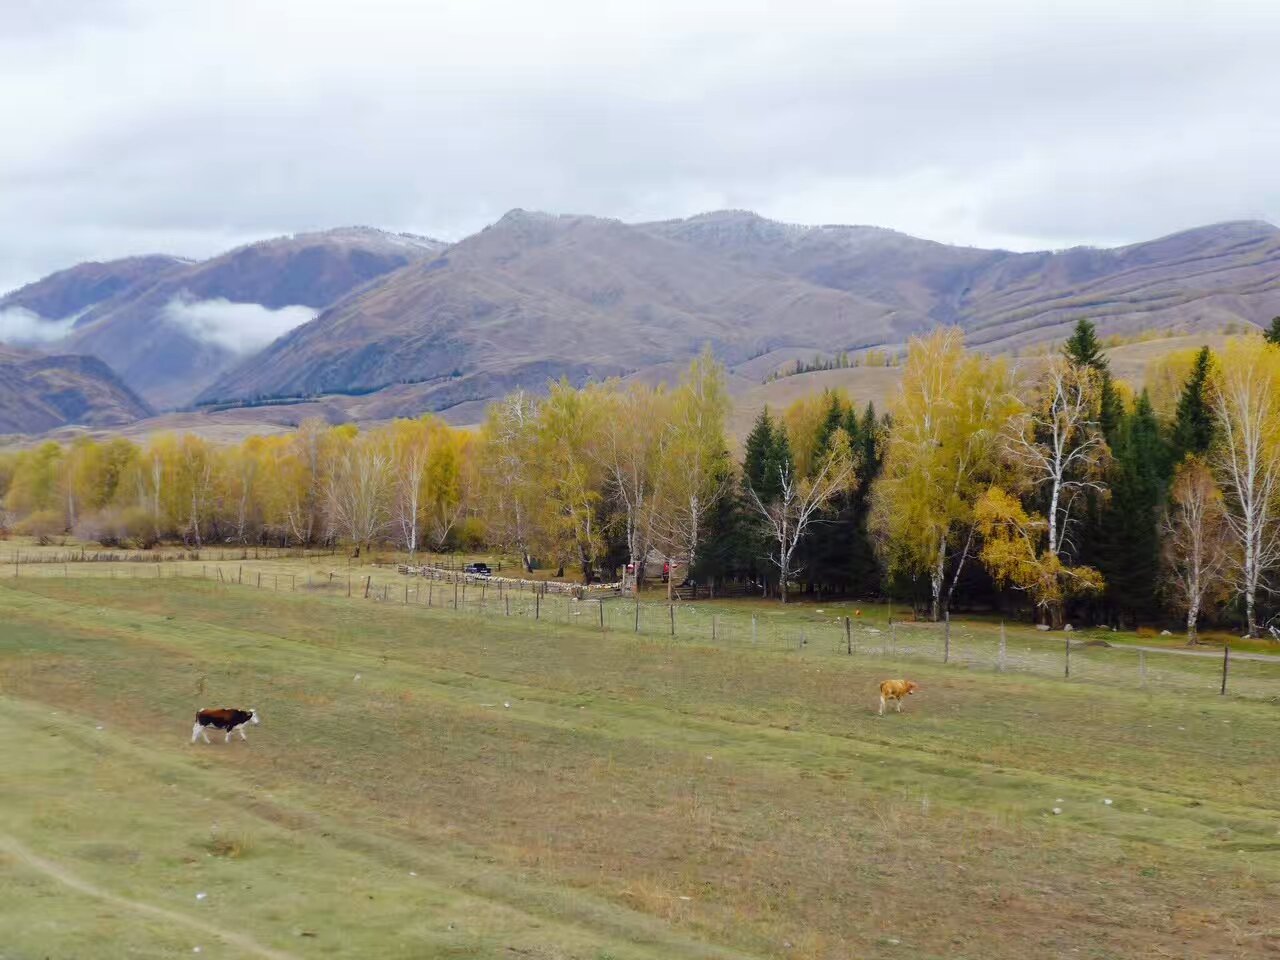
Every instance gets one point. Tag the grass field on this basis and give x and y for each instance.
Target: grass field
(431, 783)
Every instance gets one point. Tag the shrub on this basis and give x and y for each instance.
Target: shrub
(118, 527)
(137, 528)
(469, 534)
(43, 525)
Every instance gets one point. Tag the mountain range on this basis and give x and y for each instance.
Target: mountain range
(170, 326)
(410, 324)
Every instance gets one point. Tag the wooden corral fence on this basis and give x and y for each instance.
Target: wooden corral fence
(544, 587)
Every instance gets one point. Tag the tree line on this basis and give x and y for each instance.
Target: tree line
(1049, 487)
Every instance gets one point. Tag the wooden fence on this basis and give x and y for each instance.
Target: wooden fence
(543, 587)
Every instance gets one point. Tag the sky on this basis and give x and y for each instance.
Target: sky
(155, 126)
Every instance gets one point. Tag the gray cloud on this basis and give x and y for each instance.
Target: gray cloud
(22, 327)
(160, 127)
(239, 327)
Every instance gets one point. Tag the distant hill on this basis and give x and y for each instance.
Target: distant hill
(1197, 279)
(393, 325)
(537, 296)
(68, 292)
(1129, 362)
(41, 393)
(175, 325)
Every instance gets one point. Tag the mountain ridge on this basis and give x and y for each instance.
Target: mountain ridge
(44, 392)
(655, 291)
(534, 296)
(164, 331)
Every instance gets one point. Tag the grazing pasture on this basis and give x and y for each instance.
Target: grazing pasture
(432, 783)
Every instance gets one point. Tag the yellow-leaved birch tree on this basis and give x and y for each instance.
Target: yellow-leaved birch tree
(949, 416)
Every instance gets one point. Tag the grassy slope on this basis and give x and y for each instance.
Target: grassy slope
(878, 384)
(863, 384)
(626, 775)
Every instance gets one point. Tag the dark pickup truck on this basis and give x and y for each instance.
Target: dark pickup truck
(477, 570)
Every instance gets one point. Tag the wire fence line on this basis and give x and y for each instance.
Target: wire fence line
(455, 574)
(811, 634)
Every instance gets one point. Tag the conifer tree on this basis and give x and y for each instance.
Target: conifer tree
(865, 574)
(759, 456)
(1085, 349)
(1193, 422)
(1127, 551)
(767, 451)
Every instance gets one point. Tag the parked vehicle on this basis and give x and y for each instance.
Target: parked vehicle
(477, 570)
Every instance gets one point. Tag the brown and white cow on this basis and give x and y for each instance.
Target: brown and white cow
(224, 718)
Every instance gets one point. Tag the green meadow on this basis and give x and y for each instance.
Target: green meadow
(429, 782)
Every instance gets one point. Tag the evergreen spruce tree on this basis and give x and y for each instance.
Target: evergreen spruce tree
(865, 575)
(725, 549)
(1110, 407)
(1193, 423)
(1084, 348)
(767, 449)
(759, 468)
(832, 421)
(1272, 333)
(1127, 550)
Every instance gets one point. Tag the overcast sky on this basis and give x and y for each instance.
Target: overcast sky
(133, 126)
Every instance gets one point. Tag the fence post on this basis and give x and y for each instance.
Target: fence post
(537, 605)
(348, 584)
(893, 636)
(602, 614)
(406, 594)
(1226, 658)
(713, 628)
(637, 613)
(753, 628)
(1000, 655)
(455, 593)
(368, 582)
(506, 599)
(848, 637)
(240, 574)
(1066, 663)
(431, 584)
(259, 577)
(671, 608)
(1142, 668)
(946, 640)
